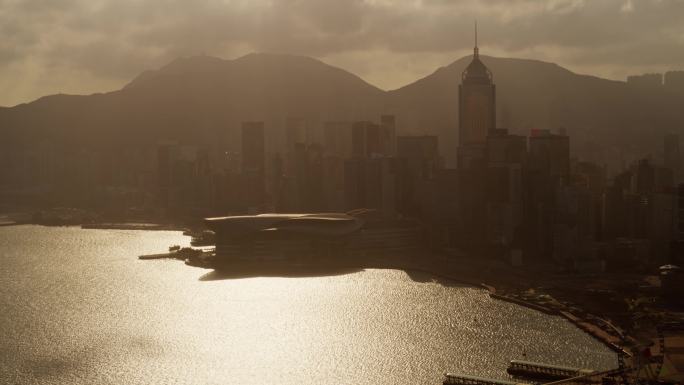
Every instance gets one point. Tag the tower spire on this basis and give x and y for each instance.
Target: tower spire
(476, 51)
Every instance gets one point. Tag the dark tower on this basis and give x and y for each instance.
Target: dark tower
(477, 109)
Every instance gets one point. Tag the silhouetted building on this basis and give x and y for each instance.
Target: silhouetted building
(574, 226)
(616, 216)
(338, 139)
(185, 182)
(506, 156)
(253, 164)
(674, 80)
(646, 80)
(253, 148)
(672, 155)
(477, 110)
(372, 184)
(504, 148)
(679, 213)
(477, 120)
(650, 178)
(388, 135)
(297, 131)
(420, 156)
(310, 177)
(549, 153)
(165, 161)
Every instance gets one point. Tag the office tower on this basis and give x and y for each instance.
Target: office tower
(337, 139)
(477, 110)
(253, 154)
(549, 153)
(506, 156)
(388, 134)
(673, 159)
(674, 80)
(419, 156)
(374, 140)
(253, 164)
(646, 80)
(296, 133)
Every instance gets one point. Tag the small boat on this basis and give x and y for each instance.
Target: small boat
(177, 253)
(460, 379)
(535, 370)
(157, 256)
(174, 248)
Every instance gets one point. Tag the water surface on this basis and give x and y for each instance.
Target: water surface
(79, 308)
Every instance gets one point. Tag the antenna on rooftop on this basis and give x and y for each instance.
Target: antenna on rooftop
(476, 51)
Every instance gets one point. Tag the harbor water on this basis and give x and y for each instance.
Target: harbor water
(78, 307)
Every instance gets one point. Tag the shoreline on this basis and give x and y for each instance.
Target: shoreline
(150, 226)
(586, 326)
(501, 281)
(439, 269)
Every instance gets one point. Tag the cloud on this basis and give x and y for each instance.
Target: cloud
(79, 45)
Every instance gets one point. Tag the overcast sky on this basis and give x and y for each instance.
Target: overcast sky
(86, 46)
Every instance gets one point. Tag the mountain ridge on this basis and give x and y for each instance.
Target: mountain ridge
(193, 97)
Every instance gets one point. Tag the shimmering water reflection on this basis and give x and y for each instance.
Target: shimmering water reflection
(79, 308)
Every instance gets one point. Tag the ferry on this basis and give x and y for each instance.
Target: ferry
(460, 379)
(535, 370)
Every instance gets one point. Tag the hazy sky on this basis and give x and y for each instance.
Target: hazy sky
(86, 46)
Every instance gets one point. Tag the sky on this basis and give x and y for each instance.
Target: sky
(88, 46)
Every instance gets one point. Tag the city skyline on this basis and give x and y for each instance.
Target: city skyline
(77, 49)
(275, 218)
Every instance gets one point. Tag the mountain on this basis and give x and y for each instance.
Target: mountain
(604, 118)
(195, 99)
(199, 99)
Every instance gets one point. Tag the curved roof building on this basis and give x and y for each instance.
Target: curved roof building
(315, 225)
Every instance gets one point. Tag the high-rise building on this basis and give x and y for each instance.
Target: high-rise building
(296, 132)
(253, 164)
(646, 80)
(504, 148)
(674, 80)
(477, 120)
(421, 154)
(673, 159)
(388, 134)
(477, 110)
(549, 153)
(420, 157)
(506, 155)
(253, 152)
(338, 139)
(165, 161)
(372, 184)
(366, 139)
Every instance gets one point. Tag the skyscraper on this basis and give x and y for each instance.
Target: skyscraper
(477, 109)
(253, 154)
(253, 164)
(477, 120)
(672, 154)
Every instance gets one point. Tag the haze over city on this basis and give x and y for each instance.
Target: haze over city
(82, 47)
(356, 192)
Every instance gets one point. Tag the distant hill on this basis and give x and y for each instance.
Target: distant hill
(199, 99)
(603, 117)
(195, 99)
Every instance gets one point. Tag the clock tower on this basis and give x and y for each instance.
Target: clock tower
(477, 109)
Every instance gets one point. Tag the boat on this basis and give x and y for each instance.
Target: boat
(176, 252)
(539, 371)
(460, 379)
